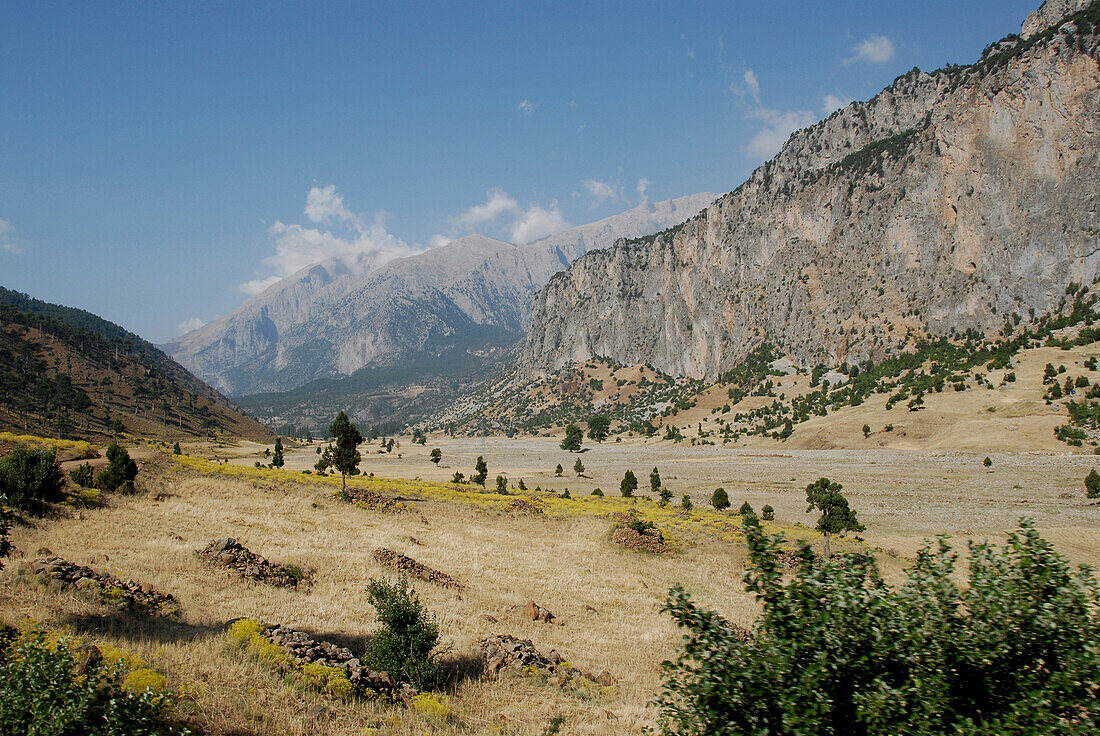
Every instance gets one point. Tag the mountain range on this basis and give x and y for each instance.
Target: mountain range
(953, 202)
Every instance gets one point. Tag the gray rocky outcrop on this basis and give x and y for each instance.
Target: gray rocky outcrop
(951, 201)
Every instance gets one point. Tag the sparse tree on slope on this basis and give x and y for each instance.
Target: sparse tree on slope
(1092, 484)
(578, 467)
(345, 456)
(277, 456)
(573, 437)
(836, 516)
(481, 471)
(629, 484)
(436, 455)
(598, 427)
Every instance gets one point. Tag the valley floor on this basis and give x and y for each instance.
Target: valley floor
(607, 599)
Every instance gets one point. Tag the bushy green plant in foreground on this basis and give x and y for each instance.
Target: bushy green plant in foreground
(836, 651)
(30, 476)
(403, 646)
(48, 689)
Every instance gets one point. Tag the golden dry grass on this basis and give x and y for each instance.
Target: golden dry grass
(562, 558)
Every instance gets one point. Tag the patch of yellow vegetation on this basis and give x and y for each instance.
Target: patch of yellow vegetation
(248, 634)
(678, 526)
(78, 447)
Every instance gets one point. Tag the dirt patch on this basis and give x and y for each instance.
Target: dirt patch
(125, 594)
(232, 555)
(406, 564)
(650, 541)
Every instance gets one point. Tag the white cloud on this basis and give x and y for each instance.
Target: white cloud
(753, 85)
(874, 50)
(832, 103)
(537, 223)
(439, 240)
(362, 243)
(497, 203)
(325, 205)
(778, 127)
(526, 107)
(5, 245)
(601, 191)
(519, 225)
(643, 185)
(190, 325)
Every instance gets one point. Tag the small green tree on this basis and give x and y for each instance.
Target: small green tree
(578, 467)
(29, 477)
(481, 472)
(720, 499)
(83, 475)
(345, 456)
(458, 478)
(324, 462)
(685, 503)
(502, 485)
(866, 430)
(1092, 484)
(403, 645)
(521, 485)
(628, 485)
(277, 455)
(836, 516)
(987, 462)
(654, 481)
(558, 470)
(120, 472)
(176, 449)
(598, 427)
(573, 437)
(436, 455)
(664, 495)
(767, 513)
(746, 509)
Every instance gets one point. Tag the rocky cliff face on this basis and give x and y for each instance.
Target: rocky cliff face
(951, 201)
(334, 318)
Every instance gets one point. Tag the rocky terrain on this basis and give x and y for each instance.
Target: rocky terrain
(125, 594)
(332, 319)
(954, 200)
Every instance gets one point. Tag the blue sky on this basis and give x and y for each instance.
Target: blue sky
(161, 161)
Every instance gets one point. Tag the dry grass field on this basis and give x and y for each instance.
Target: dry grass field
(607, 599)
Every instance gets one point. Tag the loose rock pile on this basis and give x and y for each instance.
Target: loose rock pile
(126, 594)
(502, 651)
(535, 612)
(522, 506)
(650, 541)
(304, 650)
(372, 500)
(227, 552)
(407, 564)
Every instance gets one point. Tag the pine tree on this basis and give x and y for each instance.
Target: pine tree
(277, 456)
(1092, 484)
(436, 455)
(573, 437)
(345, 456)
(578, 467)
(481, 472)
(720, 499)
(654, 481)
(629, 484)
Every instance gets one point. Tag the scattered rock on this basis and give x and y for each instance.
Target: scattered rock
(373, 500)
(416, 541)
(303, 649)
(522, 506)
(535, 612)
(502, 651)
(227, 552)
(125, 594)
(412, 567)
(490, 619)
(590, 609)
(650, 541)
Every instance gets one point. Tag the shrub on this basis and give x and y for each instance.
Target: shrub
(30, 477)
(987, 462)
(458, 478)
(83, 475)
(641, 525)
(121, 470)
(597, 492)
(685, 503)
(746, 509)
(836, 651)
(629, 484)
(720, 499)
(403, 646)
(1092, 484)
(502, 485)
(47, 688)
(767, 513)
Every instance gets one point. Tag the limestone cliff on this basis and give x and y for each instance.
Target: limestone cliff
(953, 200)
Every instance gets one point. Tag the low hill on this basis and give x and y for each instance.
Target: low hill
(65, 372)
